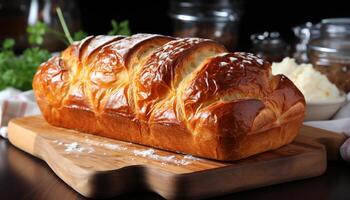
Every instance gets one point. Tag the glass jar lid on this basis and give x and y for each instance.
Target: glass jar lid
(268, 38)
(307, 31)
(337, 49)
(335, 27)
(205, 10)
(334, 39)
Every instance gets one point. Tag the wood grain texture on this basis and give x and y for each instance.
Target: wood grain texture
(105, 167)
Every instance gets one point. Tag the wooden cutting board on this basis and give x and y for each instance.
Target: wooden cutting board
(330, 140)
(99, 167)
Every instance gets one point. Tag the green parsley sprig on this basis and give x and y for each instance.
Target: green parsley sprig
(120, 29)
(18, 70)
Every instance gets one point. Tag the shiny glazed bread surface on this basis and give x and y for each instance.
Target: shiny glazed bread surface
(186, 95)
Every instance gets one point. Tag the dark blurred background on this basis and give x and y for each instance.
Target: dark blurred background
(258, 16)
(153, 16)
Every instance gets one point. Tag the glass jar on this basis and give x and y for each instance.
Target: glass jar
(217, 20)
(330, 53)
(270, 46)
(304, 33)
(16, 15)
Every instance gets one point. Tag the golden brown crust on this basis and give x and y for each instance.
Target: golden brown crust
(185, 95)
(227, 77)
(166, 67)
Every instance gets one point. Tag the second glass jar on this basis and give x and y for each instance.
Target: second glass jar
(217, 20)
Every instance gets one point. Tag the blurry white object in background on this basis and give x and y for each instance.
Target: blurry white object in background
(344, 112)
(323, 110)
(340, 123)
(3, 132)
(15, 103)
(314, 85)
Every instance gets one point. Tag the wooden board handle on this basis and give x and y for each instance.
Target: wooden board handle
(23, 139)
(332, 141)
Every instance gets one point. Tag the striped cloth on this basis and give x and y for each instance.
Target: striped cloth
(14, 103)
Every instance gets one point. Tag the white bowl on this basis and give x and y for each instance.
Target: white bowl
(323, 110)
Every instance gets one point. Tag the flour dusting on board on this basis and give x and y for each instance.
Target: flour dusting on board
(74, 147)
(114, 147)
(190, 157)
(110, 146)
(151, 153)
(57, 142)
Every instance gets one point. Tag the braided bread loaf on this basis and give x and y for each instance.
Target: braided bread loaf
(187, 95)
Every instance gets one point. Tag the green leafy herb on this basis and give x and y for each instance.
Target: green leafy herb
(77, 36)
(18, 71)
(8, 44)
(120, 29)
(36, 33)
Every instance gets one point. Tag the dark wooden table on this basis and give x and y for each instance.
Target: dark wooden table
(25, 177)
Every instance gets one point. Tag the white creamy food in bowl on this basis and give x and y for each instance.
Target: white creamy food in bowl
(322, 97)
